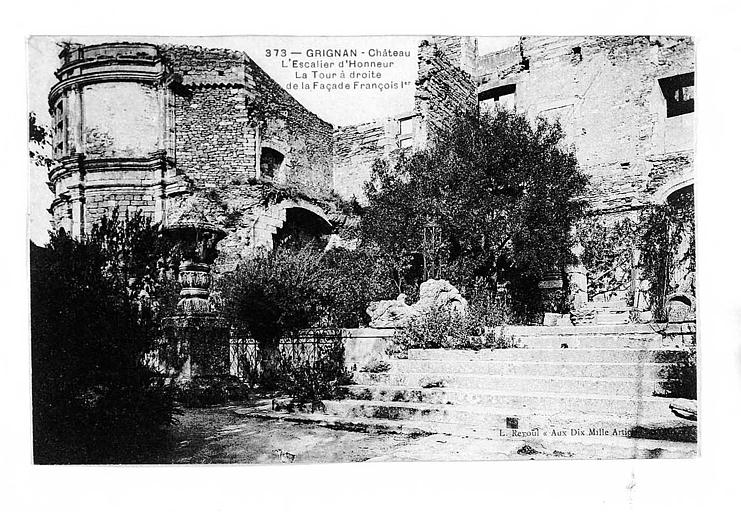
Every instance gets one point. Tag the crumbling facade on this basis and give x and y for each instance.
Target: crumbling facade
(625, 103)
(150, 128)
(141, 127)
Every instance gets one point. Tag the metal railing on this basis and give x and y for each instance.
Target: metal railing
(308, 346)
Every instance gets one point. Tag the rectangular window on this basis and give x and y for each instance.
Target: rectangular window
(498, 97)
(406, 126)
(679, 93)
(405, 133)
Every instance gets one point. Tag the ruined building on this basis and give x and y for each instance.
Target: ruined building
(145, 127)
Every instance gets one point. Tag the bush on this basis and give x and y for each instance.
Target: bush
(94, 398)
(680, 376)
(355, 279)
(376, 366)
(274, 296)
(445, 329)
(311, 381)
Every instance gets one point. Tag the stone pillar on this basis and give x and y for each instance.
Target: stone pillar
(77, 203)
(577, 279)
(198, 336)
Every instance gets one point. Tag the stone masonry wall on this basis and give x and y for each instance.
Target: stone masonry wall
(357, 147)
(605, 93)
(214, 136)
(287, 126)
(225, 110)
(443, 89)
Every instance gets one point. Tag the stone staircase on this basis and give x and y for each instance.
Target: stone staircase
(602, 313)
(593, 386)
(579, 377)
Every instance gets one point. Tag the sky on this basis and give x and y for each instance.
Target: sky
(336, 107)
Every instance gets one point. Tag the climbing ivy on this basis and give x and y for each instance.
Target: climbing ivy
(664, 227)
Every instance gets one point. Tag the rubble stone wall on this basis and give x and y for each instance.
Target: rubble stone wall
(287, 126)
(605, 92)
(357, 147)
(443, 89)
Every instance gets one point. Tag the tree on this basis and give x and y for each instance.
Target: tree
(274, 296)
(94, 398)
(502, 193)
(39, 138)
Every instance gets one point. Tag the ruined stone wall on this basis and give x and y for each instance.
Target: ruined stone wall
(214, 136)
(606, 94)
(443, 89)
(302, 137)
(461, 51)
(357, 147)
(226, 109)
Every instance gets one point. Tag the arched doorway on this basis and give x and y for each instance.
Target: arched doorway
(290, 222)
(302, 227)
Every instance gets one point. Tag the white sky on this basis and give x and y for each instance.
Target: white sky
(337, 107)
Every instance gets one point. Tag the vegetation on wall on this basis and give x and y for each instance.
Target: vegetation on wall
(608, 253)
(680, 376)
(665, 228)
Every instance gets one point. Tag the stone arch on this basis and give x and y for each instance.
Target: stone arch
(672, 186)
(273, 219)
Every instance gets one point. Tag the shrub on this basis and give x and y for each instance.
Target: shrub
(355, 279)
(376, 366)
(94, 398)
(274, 296)
(680, 376)
(445, 329)
(311, 381)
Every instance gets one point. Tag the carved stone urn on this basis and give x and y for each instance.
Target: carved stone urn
(198, 336)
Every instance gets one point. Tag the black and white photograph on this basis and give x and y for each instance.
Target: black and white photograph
(370, 256)
(344, 249)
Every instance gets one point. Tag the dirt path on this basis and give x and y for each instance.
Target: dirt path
(218, 436)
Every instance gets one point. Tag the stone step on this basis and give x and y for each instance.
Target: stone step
(611, 318)
(654, 341)
(612, 305)
(593, 445)
(515, 383)
(626, 370)
(583, 355)
(500, 417)
(520, 402)
(572, 330)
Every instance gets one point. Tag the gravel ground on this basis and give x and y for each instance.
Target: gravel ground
(218, 436)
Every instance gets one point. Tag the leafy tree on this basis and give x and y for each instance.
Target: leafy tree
(275, 295)
(94, 398)
(502, 193)
(39, 138)
(355, 278)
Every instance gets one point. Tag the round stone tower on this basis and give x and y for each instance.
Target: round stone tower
(112, 134)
